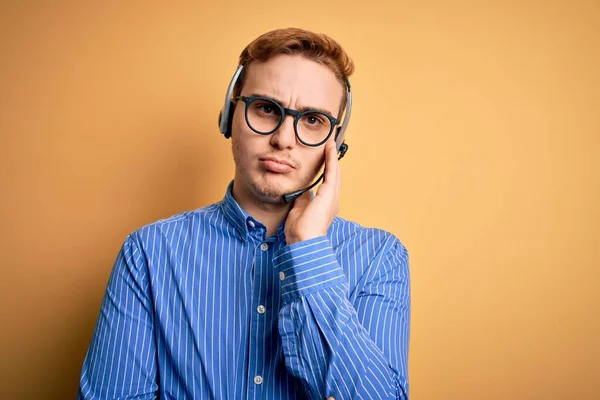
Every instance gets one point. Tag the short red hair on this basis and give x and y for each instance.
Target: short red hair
(313, 46)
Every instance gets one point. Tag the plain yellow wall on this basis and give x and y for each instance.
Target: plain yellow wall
(475, 138)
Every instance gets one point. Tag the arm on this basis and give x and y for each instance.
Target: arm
(338, 348)
(121, 360)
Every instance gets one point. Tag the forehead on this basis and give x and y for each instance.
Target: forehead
(295, 80)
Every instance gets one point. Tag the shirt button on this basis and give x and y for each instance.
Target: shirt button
(264, 247)
(258, 379)
(251, 223)
(281, 276)
(261, 309)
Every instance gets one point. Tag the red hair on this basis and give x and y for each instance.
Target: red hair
(317, 47)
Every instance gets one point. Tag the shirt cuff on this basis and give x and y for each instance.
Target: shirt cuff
(306, 267)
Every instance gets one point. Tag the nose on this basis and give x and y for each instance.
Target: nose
(284, 137)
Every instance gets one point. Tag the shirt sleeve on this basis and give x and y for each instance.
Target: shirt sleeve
(121, 360)
(346, 350)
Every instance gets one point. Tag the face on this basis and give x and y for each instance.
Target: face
(269, 166)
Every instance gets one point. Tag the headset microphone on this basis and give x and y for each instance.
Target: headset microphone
(288, 198)
(226, 119)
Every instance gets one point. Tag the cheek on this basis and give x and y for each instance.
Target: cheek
(238, 123)
(314, 163)
(245, 144)
(240, 135)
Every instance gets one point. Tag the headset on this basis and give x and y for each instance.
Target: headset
(226, 121)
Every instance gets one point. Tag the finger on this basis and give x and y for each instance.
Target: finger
(331, 165)
(339, 175)
(337, 180)
(303, 200)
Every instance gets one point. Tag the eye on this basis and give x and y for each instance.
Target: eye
(313, 119)
(266, 108)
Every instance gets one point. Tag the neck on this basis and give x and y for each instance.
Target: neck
(271, 215)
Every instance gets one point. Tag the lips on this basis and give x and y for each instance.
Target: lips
(276, 165)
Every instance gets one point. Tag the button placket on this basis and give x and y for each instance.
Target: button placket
(259, 297)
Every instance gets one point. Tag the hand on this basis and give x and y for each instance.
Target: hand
(311, 217)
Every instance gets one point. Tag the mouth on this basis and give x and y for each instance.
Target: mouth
(276, 165)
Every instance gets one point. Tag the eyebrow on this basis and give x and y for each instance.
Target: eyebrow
(301, 109)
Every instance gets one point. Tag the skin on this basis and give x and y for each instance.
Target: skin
(295, 82)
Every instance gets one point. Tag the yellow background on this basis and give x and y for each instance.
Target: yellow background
(475, 138)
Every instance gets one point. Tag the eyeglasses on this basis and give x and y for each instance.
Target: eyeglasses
(264, 116)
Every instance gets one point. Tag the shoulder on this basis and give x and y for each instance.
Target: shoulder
(178, 224)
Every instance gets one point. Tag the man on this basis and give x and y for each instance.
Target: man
(254, 297)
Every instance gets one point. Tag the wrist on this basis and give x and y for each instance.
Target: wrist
(295, 238)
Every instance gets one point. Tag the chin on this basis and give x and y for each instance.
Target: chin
(271, 189)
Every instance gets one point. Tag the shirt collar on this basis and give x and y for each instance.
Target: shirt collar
(241, 220)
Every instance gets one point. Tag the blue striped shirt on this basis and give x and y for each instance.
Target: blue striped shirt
(202, 306)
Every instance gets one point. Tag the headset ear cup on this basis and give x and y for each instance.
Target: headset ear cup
(230, 119)
(227, 132)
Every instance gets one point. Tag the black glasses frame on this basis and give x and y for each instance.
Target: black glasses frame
(288, 111)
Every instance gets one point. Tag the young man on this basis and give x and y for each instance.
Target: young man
(254, 297)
